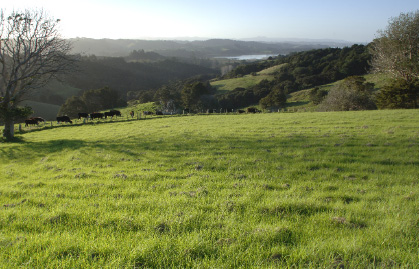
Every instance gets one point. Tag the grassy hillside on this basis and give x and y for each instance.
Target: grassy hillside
(61, 89)
(247, 81)
(329, 190)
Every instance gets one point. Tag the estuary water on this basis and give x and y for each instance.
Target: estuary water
(249, 57)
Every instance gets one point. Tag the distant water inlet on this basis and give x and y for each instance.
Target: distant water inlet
(249, 57)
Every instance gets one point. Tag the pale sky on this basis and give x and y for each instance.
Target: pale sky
(356, 21)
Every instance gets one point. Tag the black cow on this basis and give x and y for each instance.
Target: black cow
(253, 110)
(108, 114)
(64, 119)
(30, 122)
(116, 113)
(83, 115)
(147, 113)
(240, 111)
(38, 119)
(96, 115)
(159, 113)
(113, 113)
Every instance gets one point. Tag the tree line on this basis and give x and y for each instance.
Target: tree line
(92, 101)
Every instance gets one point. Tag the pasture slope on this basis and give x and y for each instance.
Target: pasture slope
(247, 81)
(331, 190)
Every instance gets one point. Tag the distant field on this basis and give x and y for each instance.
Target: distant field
(49, 111)
(247, 81)
(46, 111)
(62, 89)
(320, 190)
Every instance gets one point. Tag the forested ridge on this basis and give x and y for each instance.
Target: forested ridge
(198, 48)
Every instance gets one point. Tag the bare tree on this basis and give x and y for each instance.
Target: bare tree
(31, 53)
(396, 50)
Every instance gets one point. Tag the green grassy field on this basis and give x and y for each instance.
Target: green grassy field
(332, 190)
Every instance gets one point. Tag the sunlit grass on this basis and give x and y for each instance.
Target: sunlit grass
(265, 190)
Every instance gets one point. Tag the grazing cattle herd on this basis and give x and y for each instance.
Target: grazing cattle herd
(99, 115)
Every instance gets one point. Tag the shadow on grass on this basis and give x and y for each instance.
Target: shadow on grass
(33, 149)
(16, 139)
(77, 123)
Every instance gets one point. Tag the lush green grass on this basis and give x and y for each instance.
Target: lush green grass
(265, 190)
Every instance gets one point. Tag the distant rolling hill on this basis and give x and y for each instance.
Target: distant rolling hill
(188, 49)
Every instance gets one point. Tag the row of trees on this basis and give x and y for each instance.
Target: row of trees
(92, 101)
(197, 94)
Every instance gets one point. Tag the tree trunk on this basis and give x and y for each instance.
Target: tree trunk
(9, 129)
